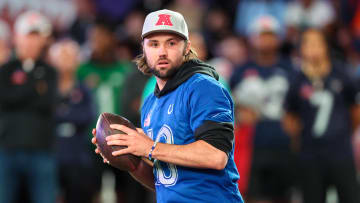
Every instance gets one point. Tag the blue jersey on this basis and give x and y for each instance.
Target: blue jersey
(264, 89)
(173, 119)
(324, 112)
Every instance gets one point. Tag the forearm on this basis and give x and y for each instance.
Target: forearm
(292, 124)
(198, 154)
(144, 175)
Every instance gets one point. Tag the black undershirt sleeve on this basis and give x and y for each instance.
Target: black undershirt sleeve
(218, 134)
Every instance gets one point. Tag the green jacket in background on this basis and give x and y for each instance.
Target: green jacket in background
(106, 83)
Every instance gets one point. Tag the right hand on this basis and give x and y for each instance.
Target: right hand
(97, 151)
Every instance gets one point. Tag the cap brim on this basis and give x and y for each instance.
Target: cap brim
(164, 31)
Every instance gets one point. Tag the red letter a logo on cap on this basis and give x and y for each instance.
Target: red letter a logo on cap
(164, 19)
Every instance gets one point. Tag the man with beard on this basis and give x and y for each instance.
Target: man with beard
(188, 120)
(259, 87)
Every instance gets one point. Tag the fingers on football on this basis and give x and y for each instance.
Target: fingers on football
(116, 137)
(122, 128)
(104, 159)
(93, 140)
(94, 132)
(121, 152)
(117, 142)
(97, 151)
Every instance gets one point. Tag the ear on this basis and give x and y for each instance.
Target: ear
(143, 45)
(188, 46)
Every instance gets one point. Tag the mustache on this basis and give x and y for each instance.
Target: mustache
(163, 60)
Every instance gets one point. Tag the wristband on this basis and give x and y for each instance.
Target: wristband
(152, 149)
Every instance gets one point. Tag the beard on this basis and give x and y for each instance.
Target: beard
(165, 76)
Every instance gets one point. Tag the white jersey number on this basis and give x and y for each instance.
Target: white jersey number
(165, 177)
(323, 100)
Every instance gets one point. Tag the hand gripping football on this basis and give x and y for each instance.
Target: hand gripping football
(126, 162)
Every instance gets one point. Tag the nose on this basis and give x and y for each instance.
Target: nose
(162, 51)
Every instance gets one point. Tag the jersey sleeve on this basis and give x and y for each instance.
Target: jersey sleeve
(211, 114)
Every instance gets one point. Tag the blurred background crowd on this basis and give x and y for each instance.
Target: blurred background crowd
(293, 67)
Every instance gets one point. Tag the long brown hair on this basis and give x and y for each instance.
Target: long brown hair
(142, 65)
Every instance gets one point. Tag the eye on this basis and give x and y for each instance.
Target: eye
(172, 43)
(153, 44)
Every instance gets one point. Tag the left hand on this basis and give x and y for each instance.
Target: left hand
(97, 151)
(137, 142)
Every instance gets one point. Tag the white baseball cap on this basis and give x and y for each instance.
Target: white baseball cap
(263, 24)
(165, 21)
(32, 21)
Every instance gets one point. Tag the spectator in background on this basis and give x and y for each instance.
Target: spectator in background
(4, 42)
(234, 50)
(199, 46)
(103, 73)
(246, 116)
(303, 14)
(114, 10)
(216, 26)
(260, 87)
(128, 34)
(355, 25)
(28, 94)
(323, 111)
(343, 45)
(221, 66)
(198, 43)
(249, 11)
(74, 114)
(85, 10)
(345, 10)
(105, 76)
(193, 11)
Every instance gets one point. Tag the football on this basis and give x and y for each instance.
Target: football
(127, 162)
